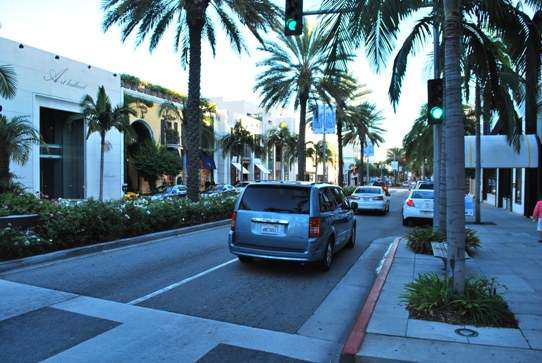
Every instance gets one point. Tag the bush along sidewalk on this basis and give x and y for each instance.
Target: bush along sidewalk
(419, 240)
(430, 298)
(90, 222)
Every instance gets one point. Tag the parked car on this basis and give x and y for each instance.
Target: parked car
(293, 221)
(383, 185)
(174, 191)
(418, 206)
(220, 190)
(370, 198)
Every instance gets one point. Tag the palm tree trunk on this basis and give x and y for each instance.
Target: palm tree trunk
(341, 161)
(301, 141)
(478, 169)
(455, 155)
(102, 156)
(282, 163)
(4, 169)
(196, 19)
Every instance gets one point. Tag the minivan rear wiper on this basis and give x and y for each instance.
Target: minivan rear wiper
(278, 210)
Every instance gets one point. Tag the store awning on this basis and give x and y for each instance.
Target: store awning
(262, 168)
(239, 167)
(497, 153)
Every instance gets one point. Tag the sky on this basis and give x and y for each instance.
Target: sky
(72, 28)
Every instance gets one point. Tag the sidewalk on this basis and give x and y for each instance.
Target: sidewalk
(509, 253)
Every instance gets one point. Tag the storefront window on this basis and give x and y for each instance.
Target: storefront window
(492, 181)
(518, 181)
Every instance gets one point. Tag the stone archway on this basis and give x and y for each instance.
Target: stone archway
(143, 133)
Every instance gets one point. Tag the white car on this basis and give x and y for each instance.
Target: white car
(418, 206)
(370, 198)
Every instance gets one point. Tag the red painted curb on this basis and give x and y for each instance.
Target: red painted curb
(357, 335)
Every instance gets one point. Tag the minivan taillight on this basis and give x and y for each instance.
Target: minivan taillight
(410, 202)
(233, 220)
(314, 227)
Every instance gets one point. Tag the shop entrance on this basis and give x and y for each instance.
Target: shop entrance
(62, 155)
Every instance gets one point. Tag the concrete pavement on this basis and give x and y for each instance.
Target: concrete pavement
(509, 253)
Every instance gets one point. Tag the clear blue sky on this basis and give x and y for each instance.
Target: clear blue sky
(72, 28)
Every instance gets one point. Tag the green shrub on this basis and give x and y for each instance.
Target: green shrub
(419, 240)
(348, 191)
(429, 298)
(92, 221)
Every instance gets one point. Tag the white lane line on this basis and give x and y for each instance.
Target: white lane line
(182, 282)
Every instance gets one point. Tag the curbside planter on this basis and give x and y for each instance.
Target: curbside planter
(100, 247)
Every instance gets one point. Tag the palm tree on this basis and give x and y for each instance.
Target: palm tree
(194, 21)
(395, 154)
(362, 125)
(418, 142)
(236, 141)
(8, 82)
(282, 139)
(296, 69)
(102, 117)
(17, 137)
(320, 152)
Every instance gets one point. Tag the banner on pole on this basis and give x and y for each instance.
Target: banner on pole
(369, 150)
(324, 119)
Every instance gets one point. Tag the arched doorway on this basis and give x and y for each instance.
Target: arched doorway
(143, 133)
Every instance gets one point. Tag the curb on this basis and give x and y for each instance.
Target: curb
(100, 247)
(358, 332)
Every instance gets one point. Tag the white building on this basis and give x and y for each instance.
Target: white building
(49, 90)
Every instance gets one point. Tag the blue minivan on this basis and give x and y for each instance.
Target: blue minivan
(293, 221)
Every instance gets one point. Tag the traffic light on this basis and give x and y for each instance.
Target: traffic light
(435, 97)
(293, 17)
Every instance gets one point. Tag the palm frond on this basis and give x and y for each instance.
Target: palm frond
(8, 81)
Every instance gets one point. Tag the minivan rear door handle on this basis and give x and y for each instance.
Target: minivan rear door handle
(270, 220)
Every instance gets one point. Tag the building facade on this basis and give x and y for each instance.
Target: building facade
(49, 91)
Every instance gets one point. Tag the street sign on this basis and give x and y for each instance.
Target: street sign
(369, 150)
(395, 165)
(324, 119)
(469, 205)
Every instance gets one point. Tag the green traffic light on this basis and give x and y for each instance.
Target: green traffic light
(291, 24)
(437, 113)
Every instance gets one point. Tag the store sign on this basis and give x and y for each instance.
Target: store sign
(60, 77)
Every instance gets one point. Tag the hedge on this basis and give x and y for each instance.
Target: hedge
(89, 222)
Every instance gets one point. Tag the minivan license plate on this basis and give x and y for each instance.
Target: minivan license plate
(269, 228)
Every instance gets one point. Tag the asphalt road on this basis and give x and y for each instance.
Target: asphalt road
(269, 295)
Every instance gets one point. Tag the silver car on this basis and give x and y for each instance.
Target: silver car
(293, 221)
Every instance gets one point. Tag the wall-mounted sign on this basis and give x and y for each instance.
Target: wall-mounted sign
(60, 77)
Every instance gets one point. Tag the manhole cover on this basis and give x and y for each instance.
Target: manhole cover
(464, 332)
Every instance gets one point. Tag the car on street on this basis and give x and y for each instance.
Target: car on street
(370, 198)
(424, 185)
(224, 190)
(292, 221)
(174, 191)
(418, 207)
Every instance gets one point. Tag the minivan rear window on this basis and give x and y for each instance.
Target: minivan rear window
(422, 195)
(280, 199)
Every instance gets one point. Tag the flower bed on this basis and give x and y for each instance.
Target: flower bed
(89, 222)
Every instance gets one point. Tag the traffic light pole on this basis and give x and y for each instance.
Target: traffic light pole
(437, 133)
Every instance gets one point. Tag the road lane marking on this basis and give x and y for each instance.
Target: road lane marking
(180, 283)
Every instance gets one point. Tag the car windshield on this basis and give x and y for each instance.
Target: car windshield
(271, 198)
(368, 191)
(422, 195)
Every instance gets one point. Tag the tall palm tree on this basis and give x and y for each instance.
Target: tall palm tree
(320, 152)
(102, 117)
(17, 137)
(282, 139)
(362, 125)
(194, 20)
(236, 141)
(8, 81)
(345, 90)
(295, 69)
(418, 142)
(395, 154)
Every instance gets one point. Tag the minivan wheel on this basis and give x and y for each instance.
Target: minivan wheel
(327, 259)
(244, 259)
(352, 241)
